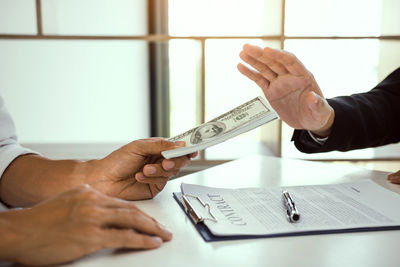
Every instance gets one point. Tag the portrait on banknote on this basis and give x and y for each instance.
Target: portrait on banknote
(206, 131)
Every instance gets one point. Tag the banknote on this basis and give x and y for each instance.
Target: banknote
(243, 118)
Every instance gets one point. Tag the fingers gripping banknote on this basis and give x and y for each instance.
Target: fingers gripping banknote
(243, 118)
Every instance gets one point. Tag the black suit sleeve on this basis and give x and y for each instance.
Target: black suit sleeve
(361, 120)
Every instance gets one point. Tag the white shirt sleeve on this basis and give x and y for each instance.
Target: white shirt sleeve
(9, 147)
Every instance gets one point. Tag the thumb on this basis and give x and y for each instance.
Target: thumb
(320, 109)
(153, 146)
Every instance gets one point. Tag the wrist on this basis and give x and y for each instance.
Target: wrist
(93, 173)
(327, 128)
(87, 172)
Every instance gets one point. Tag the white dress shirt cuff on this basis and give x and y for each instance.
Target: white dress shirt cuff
(319, 140)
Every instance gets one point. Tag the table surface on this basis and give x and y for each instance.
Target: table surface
(187, 248)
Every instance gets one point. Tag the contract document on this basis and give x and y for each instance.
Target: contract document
(357, 206)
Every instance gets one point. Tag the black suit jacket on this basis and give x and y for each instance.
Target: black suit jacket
(361, 120)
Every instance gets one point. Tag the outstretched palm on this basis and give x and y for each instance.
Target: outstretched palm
(291, 90)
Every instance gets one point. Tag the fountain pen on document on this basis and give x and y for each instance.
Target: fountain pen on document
(293, 214)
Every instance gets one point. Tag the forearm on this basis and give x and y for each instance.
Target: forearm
(358, 124)
(362, 120)
(30, 179)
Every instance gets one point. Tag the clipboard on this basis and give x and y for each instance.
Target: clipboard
(208, 236)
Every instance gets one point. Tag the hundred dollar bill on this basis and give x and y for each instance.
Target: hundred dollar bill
(243, 118)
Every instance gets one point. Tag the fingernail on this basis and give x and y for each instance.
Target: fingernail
(168, 233)
(169, 164)
(180, 143)
(151, 170)
(156, 240)
(140, 176)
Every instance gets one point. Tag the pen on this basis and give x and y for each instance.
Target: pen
(291, 211)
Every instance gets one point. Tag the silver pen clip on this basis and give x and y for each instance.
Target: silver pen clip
(291, 211)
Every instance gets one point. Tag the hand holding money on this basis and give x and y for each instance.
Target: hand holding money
(241, 119)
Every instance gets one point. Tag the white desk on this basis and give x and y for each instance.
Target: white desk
(187, 248)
